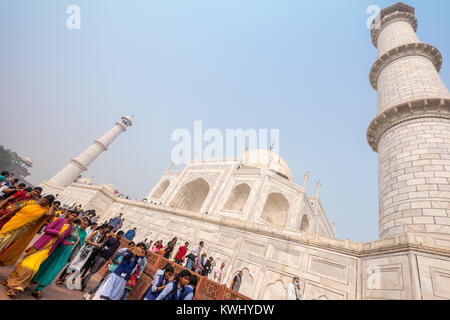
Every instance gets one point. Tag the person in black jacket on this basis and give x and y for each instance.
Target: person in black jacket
(207, 267)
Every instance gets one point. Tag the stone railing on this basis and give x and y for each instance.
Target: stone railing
(439, 243)
(206, 289)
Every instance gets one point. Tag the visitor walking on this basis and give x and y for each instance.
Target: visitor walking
(26, 222)
(108, 249)
(170, 246)
(207, 267)
(9, 207)
(237, 280)
(115, 261)
(179, 256)
(54, 234)
(72, 274)
(200, 263)
(56, 261)
(218, 273)
(116, 222)
(292, 289)
(193, 255)
(130, 234)
(114, 285)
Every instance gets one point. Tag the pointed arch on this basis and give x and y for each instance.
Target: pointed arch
(238, 198)
(275, 291)
(247, 283)
(161, 189)
(276, 210)
(304, 225)
(192, 195)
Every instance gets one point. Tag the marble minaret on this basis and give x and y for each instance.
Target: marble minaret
(411, 131)
(81, 163)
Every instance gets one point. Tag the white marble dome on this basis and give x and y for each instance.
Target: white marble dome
(266, 159)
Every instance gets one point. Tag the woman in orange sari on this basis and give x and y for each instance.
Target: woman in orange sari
(12, 253)
(14, 203)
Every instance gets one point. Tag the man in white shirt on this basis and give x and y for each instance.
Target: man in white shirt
(292, 289)
(193, 255)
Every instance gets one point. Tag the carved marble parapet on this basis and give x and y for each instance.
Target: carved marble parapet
(410, 49)
(422, 108)
(396, 16)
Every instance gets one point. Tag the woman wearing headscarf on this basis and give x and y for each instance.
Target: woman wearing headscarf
(50, 268)
(54, 234)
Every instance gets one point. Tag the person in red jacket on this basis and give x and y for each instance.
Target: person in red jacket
(179, 257)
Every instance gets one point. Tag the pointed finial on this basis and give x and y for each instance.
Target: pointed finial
(305, 180)
(193, 156)
(334, 227)
(318, 185)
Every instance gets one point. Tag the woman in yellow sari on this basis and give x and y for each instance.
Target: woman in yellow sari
(55, 234)
(12, 253)
(23, 220)
(13, 204)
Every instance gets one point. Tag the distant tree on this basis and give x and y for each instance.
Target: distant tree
(8, 159)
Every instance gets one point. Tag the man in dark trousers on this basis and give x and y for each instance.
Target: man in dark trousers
(107, 251)
(236, 284)
(207, 267)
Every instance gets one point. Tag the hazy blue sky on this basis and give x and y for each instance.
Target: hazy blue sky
(299, 66)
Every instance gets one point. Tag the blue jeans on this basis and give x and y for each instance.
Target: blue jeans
(190, 263)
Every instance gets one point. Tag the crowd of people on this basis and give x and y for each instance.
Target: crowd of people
(71, 247)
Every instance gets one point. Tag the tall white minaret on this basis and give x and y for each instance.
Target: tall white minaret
(411, 131)
(81, 163)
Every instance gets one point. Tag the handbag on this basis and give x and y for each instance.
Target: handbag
(191, 256)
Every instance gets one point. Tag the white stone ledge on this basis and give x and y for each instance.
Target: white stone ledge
(410, 49)
(422, 108)
(400, 242)
(390, 18)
